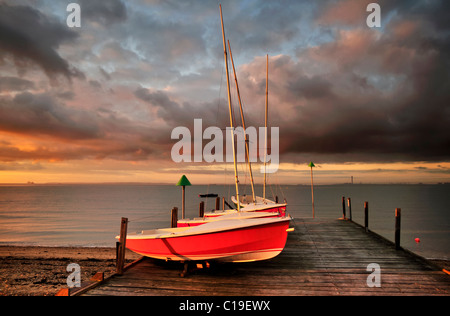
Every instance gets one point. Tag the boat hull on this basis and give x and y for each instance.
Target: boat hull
(224, 216)
(278, 209)
(261, 205)
(243, 244)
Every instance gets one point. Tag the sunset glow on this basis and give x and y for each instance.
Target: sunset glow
(98, 103)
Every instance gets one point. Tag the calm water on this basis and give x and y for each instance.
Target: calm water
(89, 215)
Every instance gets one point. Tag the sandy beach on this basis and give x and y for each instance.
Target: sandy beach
(41, 271)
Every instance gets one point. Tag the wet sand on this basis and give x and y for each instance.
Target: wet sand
(41, 271)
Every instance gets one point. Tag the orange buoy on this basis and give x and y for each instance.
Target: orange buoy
(417, 240)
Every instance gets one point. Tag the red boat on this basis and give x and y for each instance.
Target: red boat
(260, 204)
(233, 240)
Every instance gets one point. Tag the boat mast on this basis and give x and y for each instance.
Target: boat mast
(243, 123)
(265, 124)
(230, 110)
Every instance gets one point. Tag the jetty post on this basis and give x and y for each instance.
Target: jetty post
(349, 203)
(174, 217)
(343, 208)
(398, 216)
(217, 203)
(201, 209)
(120, 261)
(366, 216)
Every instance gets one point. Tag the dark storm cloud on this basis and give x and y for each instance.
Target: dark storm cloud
(29, 37)
(15, 84)
(364, 95)
(27, 113)
(62, 132)
(103, 12)
(176, 114)
(413, 122)
(165, 42)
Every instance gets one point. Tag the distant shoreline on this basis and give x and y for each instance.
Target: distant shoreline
(208, 184)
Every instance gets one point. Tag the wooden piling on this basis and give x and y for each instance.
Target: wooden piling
(223, 203)
(366, 216)
(174, 217)
(117, 250)
(349, 203)
(217, 203)
(120, 262)
(398, 213)
(201, 209)
(343, 207)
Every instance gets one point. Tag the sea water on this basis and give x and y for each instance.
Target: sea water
(89, 214)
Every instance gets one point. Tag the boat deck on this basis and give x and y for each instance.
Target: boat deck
(322, 257)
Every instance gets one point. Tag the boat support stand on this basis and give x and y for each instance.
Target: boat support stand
(191, 266)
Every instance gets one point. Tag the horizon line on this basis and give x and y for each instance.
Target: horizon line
(31, 183)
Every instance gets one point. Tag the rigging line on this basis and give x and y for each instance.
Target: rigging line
(216, 123)
(207, 192)
(273, 193)
(141, 218)
(242, 101)
(280, 186)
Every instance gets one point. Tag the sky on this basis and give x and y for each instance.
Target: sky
(98, 103)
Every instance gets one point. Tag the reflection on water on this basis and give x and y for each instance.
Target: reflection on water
(89, 215)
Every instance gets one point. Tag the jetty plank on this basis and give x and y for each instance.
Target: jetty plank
(321, 257)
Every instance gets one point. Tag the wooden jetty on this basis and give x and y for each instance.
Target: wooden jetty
(321, 257)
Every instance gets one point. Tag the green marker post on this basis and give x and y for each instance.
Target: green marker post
(183, 182)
